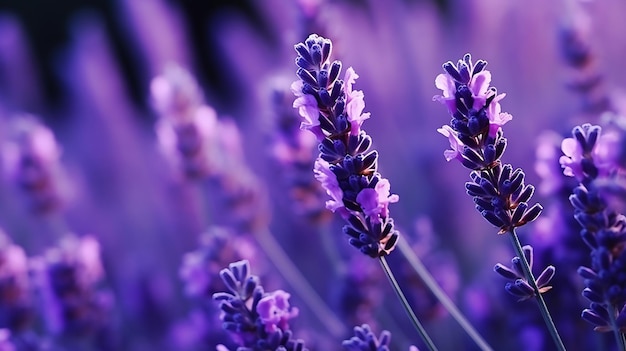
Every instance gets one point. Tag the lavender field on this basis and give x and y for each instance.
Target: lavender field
(312, 175)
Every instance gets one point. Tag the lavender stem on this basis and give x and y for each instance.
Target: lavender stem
(301, 286)
(416, 323)
(533, 283)
(446, 302)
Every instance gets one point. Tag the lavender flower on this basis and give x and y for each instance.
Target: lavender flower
(257, 319)
(67, 277)
(346, 167)
(477, 141)
(520, 287)
(588, 158)
(15, 304)
(218, 247)
(365, 340)
(186, 126)
(31, 161)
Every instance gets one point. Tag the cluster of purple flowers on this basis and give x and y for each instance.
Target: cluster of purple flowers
(346, 167)
(257, 319)
(591, 155)
(477, 141)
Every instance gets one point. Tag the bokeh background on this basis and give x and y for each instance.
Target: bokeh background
(84, 69)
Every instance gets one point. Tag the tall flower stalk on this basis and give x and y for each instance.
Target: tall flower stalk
(589, 156)
(477, 141)
(346, 167)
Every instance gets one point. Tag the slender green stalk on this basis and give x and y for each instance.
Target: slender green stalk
(440, 295)
(533, 283)
(619, 337)
(301, 286)
(416, 323)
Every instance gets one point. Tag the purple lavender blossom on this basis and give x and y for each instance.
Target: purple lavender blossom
(365, 340)
(31, 161)
(67, 277)
(333, 112)
(15, 305)
(477, 141)
(519, 287)
(604, 230)
(257, 319)
(186, 127)
(295, 152)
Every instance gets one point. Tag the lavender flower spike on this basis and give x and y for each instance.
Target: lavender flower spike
(257, 319)
(477, 141)
(346, 167)
(604, 230)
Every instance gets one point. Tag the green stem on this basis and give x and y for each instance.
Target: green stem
(533, 283)
(416, 323)
(440, 295)
(301, 286)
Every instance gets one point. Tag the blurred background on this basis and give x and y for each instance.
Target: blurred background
(79, 75)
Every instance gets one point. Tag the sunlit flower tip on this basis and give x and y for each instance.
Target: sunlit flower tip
(274, 311)
(365, 340)
(329, 182)
(375, 201)
(456, 146)
(590, 153)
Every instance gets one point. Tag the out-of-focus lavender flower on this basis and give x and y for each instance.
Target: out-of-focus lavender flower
(257, 319)
(519, 287)
(346, 168)
(477, 141)
(67, 277)
(295, 152)
(186, 127)
(365, 340)
(218, 247)
(15, 305)
(590, 154)
(360, 293)
(575, 40)
(604, 230)
(31, 161)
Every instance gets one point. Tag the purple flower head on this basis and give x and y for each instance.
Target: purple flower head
(346, 167)
(365, 340)
(477, 141)
(32, 161)
(590, 153)
(67, 276)
(274, 311)
(186, 127)
(476, 111)
(218, 246)
(519, 286)
(15, 304)
(257, 319)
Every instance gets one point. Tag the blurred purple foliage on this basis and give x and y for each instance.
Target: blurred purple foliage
(172, 191)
